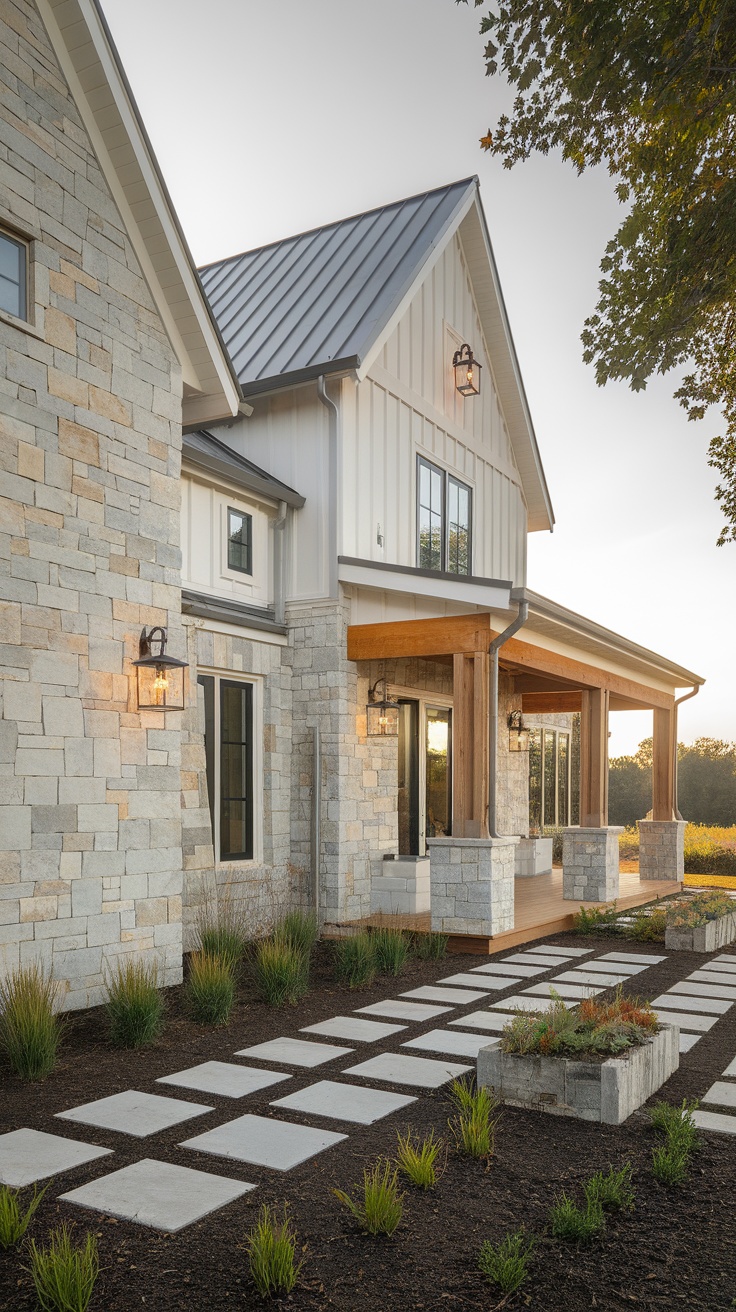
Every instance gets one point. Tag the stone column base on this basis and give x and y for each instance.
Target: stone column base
(661, 849)
(472, 885)
(590, 864)
(533, 857)
(402, 887)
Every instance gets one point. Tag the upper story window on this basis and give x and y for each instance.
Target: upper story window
(13, 275)
(443, 521)
(239, 541)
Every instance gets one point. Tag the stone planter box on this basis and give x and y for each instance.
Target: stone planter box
(607, 1091)
(533, 857)
(713, 934)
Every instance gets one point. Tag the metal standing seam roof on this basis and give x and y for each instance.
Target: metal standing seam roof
(203, 449)
(315, 303)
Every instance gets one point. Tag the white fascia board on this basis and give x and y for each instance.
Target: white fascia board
(485, 595)
(111, 73)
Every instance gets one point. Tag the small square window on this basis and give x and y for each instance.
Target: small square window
(13, 275)
(239, 541)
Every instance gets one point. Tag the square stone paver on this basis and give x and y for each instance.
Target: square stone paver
(645, 958)
(620, 967)
(553, 950)
(485, 1020)
(294, 1052)
(517, 1002)
(344, 1102)
(225, 1078)
(264, 1142)
(490, 982)
(726, 956)
(453, 1042)
(132, 1112)
(402, 1010)
(715, 1121)
(352, 1027)
(158, 1194)
(687, 1020)
(678, 1001)
(395, 1068)
(688, 1041)
(604, 979)
(433, 993)
(564, 990)
(30, 1155)
(500, 968)
(725, 967)
(722, 1093)
(731, 1069)
(695, 990)
(533, 959)
(717, 986)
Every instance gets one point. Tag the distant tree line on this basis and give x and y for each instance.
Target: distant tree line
(706, 783)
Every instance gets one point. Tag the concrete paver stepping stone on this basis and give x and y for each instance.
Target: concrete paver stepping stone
(402, 1010)
(687, 1020)
(722, 1093)
(731, 1069)
(717, 986)
(695, 990)
(564, 990)
(264, 1141)
(223, 1077)
(158, 1194)
(30, 1155)
(294, 1052)
(678, 1001)
(555, 951)
(432, 993)
(726, 956)
(688, 1041)
(485, 1020)
(723, 967)
(419, 1072)
(133, 1112)
(344, 1102)
(715, 1121)
(500, 968)
(352, 1027)
(490, 982)
(518, 1002)
(620, 967)
(646, 958)
(533, 959)
(454, 1042)
(605, 979)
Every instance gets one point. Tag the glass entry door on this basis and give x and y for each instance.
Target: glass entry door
(424, 776)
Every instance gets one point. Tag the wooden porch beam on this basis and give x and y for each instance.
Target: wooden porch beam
(440, 637)
(581, 675)
(550, 703)
(663, 765)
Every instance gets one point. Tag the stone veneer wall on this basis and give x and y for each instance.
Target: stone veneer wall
(90, 436)
(512, 796)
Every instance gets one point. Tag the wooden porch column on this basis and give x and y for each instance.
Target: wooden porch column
(470, 745)
(663, 765)
(594, 759)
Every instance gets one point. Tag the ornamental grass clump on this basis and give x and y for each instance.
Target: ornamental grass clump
(473, 1126)
(612, 1189)
(64, 1273)
(210, 988)
(271, 1246)
(506, 1264)
(14, 1219)
(355, 962)
(298, 930)
(390, 950)
(379, 1208)
(575, 1224)
(134, 1006)
(222, 932)
(30, 1030)
(592, 1028)
(670, 1160)
(280, 972)
(430, 947)
(418, 1161)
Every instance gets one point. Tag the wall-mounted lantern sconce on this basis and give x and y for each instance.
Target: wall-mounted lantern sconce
(518, 734)
(160, 677)
(467, 371)
(381, 714)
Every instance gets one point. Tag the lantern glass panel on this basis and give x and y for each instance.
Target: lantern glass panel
(382, 720)
(160, 688)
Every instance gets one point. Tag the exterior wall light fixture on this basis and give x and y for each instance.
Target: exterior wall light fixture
(518, 733)
(381, 713)
(467, 371)
(160, 677)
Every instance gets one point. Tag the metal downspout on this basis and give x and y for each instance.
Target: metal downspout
(685, 698)
(316, 817)
(278, 549)
(493, 651)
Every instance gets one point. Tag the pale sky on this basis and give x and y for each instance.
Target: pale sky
(271, 118)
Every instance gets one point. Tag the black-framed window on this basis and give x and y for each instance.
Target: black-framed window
(228, 741)
(554, 776)
(444, 529)
(13, 275)
(239, 541)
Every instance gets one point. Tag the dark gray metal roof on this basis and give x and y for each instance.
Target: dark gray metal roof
(316, 303)
(201, 448)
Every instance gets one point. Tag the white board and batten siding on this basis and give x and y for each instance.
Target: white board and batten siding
(204, 507)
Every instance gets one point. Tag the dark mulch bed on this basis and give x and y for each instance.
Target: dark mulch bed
(675, 1250)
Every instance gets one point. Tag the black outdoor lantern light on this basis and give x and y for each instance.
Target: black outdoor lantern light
(518, 733)
(160, 677)
(381, 714)
(467, 371)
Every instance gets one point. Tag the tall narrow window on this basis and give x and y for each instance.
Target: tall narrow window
(443, 521)
(228, 741)
(458, 527)
(430, 516)
(239, 541)
(13, 272)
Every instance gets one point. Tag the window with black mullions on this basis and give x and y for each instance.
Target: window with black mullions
(236, 770)
(444, 540)
(239, 541)
(13, 273)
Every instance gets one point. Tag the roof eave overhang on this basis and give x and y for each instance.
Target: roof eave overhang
(278, 382)
(210, 464)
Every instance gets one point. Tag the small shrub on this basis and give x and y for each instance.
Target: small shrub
(222, 931)
(586, 920)
(271, 1245)
(418, 1161)
(381, 1205)
(210, 989)
(669, 1163)
(430, 947)
(280, 971)
(474, 1124)
(14, 1220)
(355, 963)
(648, 928)
(676, 1123)
(30, 1031)
(506, 1264)
(614, 1189)
(390, 950)
(297, 930)
(575, 1224)
(134, 1004)
(64, 1274)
